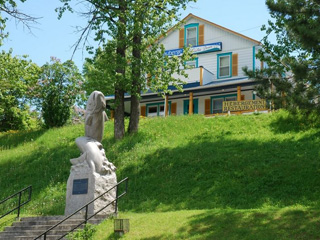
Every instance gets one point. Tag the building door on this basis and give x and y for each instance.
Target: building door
(186, 106)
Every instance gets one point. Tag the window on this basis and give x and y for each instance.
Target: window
(193, 63)
(156, 109)
(224, 65)
(217, 102)
(152, 111)
(191, 34)
(217, 105)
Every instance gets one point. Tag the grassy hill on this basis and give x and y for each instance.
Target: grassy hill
(244, 176)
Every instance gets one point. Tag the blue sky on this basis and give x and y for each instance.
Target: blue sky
(53, 37)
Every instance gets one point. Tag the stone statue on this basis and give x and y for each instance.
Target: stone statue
(90, 145)
(95, 116)
(94, 154)
(92, 168)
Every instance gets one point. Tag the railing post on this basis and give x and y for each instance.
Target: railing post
(30, 192)
(116, 206)
(126, 185)
(86, 215)
(45, 236)
(19, 204)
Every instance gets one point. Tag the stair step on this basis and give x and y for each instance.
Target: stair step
(39, 227)
(53, 222)
(31, 227)
(52, 237)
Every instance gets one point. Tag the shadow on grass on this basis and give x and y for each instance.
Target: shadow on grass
(11, 140)
(295, 224)
(225, 173)
(286, 122)
(47, 170)
(128, 143)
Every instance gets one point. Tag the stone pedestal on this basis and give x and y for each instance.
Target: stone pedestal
(85, 185)
(90, 176)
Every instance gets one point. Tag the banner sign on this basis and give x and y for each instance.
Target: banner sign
(245, 105)
(211, 47)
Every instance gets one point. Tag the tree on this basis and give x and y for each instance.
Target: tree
(150, 21)
(17, 76)
(108, 18)
(134, 26)
(57, 90)
(294, 60)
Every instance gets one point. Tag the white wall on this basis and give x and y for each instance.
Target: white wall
(230, 43)
(193, 75)
(207, 76)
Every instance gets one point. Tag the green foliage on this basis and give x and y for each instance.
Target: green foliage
(122, 63)
(86, 233)
(100, 73)
(17, 78)
(57, 90)
(147, 21)
(294, 60)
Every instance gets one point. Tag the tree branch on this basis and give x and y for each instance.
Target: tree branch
(25, 19)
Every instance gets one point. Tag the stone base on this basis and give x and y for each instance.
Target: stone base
(79, 195)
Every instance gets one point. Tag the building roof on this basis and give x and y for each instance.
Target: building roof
(190, 15)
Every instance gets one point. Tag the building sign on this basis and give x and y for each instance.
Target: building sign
(245, 105)
(211, 47)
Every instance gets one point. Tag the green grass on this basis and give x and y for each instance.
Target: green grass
(209, 170)
(262, 224)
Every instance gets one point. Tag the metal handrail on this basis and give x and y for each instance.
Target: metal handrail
(20, 204)
(44, 234)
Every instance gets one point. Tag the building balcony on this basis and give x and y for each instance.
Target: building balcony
(199, 74)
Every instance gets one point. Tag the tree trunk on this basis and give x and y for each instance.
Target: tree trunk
(134, 114)
(119, 128)
(136, 75)
(119, 114)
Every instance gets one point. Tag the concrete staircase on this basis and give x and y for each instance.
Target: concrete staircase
(30, 227)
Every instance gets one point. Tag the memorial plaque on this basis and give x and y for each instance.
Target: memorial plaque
(80, 186)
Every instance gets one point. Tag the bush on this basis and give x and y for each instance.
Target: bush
(83, 234)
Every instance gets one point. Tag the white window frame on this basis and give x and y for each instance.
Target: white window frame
(229, 66)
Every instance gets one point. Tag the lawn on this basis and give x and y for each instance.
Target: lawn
(234, 177)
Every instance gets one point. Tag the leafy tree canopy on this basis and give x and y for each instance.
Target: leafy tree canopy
(292, 76)
(58, 88)
(17, 78)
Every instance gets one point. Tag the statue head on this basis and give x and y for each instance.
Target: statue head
(96, 102)
(95, 116)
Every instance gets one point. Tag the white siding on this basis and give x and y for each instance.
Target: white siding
(207, 76)
(171, 41)
(230, 43)
(193, 75)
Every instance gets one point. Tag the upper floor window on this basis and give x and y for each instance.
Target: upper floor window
(224, 65)
(191, 34)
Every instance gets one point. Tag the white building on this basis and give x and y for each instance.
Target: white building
(216, 75)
